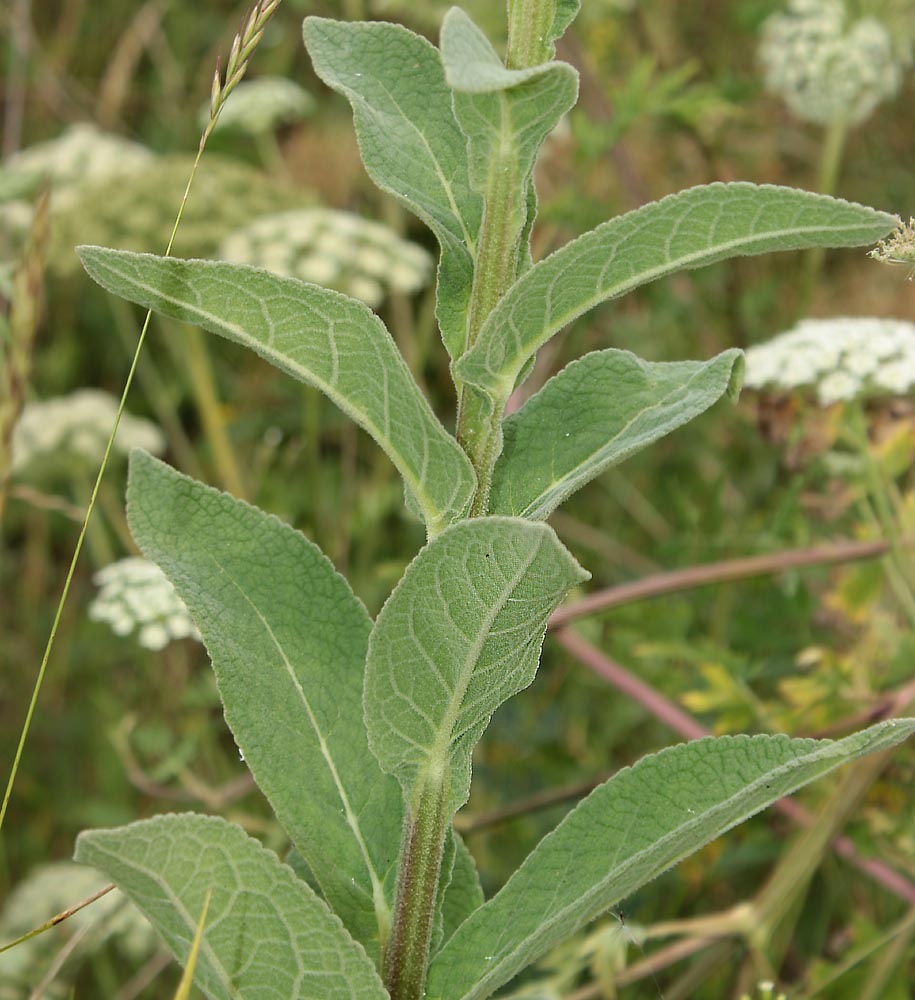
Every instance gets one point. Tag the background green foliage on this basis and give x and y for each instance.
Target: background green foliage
(671, 96)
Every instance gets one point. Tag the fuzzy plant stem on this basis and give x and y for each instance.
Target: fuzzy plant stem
(479, 420)
(497, 254)
(417, 889)
(478, 428)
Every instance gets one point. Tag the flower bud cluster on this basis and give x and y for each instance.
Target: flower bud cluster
(841, 358)
(135, 594)
(336, 249)
(828, 67)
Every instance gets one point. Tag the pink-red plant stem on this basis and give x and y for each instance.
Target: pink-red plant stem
(717, 572)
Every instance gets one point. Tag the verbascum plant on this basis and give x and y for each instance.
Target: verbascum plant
(360, 733)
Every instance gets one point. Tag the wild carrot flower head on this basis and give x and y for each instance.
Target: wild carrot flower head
(79, 424)
(827, 66)
(840, 358)
(134, 594)
(261, 105)
(82, 153)
(336, 249)
(898, 248)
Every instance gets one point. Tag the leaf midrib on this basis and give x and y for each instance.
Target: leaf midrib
(439, 751)
(356, 98)
(570, 909)
(434, 517)
(190, 922)
(382, 910)
(506, 374)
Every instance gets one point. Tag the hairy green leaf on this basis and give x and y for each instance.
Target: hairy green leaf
(288, 639)
(642, 821)
(460, 633)
(410, 142)
(565, 14)
(317, 336)
(267, 935)
(690, 229)
(596, 412)
(464, 893)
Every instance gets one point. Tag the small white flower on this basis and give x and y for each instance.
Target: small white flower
(897, 377)
(336, 249)
(317, 269)
(838, 386)
(135, 594)
(843, 358)
(367, 289)
(80, 423)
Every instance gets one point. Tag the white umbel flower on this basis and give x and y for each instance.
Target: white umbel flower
(826, 66)
(841, 358)
(81, 154)
(79, 424)
(134, 594)
(332, 248)
(261, 105)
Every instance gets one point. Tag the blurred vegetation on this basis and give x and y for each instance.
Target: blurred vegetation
(672, 95)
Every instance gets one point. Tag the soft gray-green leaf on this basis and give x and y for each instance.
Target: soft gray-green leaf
(596, 412)
(460, 633)
(288, 639)
(505, 114)
(566, 12)
(318, 336)
(464, 894)
(690, 229)
(410, 142)
(642, 821)
(267, 935)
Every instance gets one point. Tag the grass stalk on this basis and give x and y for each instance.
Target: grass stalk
(243, 46)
